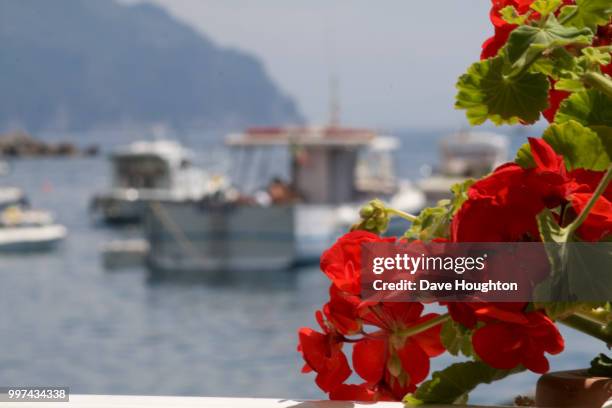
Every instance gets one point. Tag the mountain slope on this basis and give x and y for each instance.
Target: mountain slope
(79, 64)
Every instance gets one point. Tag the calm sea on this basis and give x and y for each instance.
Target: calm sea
(66, 321)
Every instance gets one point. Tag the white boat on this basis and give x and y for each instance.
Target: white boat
(148, 171)
(463, 155)
(12, 196)
(332, 171)
(23, 230)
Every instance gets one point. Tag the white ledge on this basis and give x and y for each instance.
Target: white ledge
(137, 401)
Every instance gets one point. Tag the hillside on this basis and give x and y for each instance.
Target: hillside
(81, 64)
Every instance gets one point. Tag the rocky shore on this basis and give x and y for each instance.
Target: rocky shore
(22, 144)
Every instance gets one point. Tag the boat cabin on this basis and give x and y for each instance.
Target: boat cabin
(327, 165)
(472, 154)
(148, 165)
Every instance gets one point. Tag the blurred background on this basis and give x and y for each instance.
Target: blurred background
(90, 301)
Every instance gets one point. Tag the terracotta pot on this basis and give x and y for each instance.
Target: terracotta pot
(573, 388)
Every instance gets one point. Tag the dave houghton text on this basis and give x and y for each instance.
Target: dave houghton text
(459, 285)
(404, 263)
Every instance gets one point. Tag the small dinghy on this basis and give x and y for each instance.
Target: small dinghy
(24, 230)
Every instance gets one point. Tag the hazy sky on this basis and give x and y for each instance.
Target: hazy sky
(396, 60)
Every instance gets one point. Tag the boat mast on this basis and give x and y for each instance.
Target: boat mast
(334, 102)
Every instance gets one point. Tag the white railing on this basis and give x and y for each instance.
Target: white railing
(133, 401)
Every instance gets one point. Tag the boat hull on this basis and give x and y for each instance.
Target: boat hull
(126, 206)
(31, 239)
(224, 240)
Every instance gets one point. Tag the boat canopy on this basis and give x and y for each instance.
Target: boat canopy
(472, 154)
(303, 136)
(328, 165)
(147, 164)
(166, 150)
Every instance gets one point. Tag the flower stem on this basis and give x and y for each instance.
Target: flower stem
(569, 16)
(402, 214)
(588, 326)
(599, 81)
(603, 184)
(419, 328)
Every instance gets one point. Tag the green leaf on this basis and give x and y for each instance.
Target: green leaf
(590, 108)
(526, 43)
(434, 222)
(581, 147)
(597, 55)
(456, 339)
(524, 158)
(550, 230)
(587, 13)
(558, 63)
(570, 85)
(485, 93)
(511, 16)
(601, 366)
(460, 194)
(578, 270)
(545, 7)
(453, 384)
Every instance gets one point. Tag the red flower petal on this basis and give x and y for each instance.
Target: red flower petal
(336, 372)
(598, 223)
(352, 392)
(414, 361)
(496, 345)
(429, 340)
(544, 156)
(369, 359)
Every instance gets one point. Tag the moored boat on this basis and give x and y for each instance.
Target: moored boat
(25, 230)
(463, 155)
(277, 223)
(148, 171)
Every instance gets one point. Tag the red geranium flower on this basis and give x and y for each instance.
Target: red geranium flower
(555, 98)
(361, 392)
(602, 38)
(323, 354)
(468, 314)
(391, 362)
(341, 311)
(505, 345)
(503, 206)
(502, 29)
(342, 262)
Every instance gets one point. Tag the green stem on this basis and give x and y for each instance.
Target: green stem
(588, 326)
(599, 81)
(599, 315)
(402, 214)
(516, 73)
(419, 328)
(603, 184)
(571, 15)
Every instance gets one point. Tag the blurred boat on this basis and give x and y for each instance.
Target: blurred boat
(463, 155)
(4, 168)
(278, 224)
(12, 196)
(23, 230)
(120, 254)
(148, 171)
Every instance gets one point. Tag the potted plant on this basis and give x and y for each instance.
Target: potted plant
(547, 57)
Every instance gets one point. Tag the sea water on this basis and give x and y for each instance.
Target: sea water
(65, 321)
